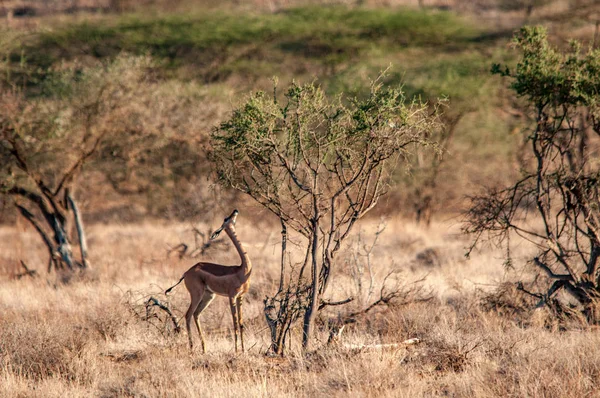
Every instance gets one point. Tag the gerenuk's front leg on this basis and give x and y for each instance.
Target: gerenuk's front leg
(232, 305)
(240, 300)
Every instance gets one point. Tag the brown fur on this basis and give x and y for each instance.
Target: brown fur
(205, 280)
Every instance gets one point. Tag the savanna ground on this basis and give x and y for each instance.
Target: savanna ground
(91, 334)
(90, 337)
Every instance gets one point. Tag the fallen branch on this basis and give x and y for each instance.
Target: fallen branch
(153, 302)
(28, 272)
(356, 348)
(334, 303)
(399, 295)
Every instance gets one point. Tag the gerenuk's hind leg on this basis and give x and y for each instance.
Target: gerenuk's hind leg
(195, 298)
(206, 300)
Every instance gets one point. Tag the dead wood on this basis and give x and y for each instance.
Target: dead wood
(202, 244)
(358, 348)
(28, 272)
(80, 230)
(153, 302)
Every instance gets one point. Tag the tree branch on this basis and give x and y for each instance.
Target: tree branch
(31, 218)
(80, 230)
(550, 273)
(324, 303)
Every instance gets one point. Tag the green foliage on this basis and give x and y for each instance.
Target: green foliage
(313, 140)
(325, 35)
(546, 75)
(460, 77)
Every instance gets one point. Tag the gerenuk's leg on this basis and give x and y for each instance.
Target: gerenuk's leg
(240, 323)
(232, 305)
(206, 300)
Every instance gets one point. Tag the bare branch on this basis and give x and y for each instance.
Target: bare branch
(153, 302)
(28, 272)
(324, 303)
(550, 273)
(31, 218)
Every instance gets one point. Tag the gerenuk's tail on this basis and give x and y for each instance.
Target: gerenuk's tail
(171, 288)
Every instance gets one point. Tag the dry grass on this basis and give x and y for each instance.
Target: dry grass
(84, 338)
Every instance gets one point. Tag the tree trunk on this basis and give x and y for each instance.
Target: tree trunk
(80, 231)
(311, 311)
(276, 318)
(283, 251)
(528, 12)
(64, 245)
(55, 231)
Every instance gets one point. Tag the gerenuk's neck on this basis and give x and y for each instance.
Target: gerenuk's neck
(246, 264)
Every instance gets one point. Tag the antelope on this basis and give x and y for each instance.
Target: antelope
(205, 280)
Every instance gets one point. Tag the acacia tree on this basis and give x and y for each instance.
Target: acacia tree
(559, 185)
(320, 166)
(45, 141)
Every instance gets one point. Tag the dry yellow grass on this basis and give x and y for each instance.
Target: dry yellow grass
(83, 339)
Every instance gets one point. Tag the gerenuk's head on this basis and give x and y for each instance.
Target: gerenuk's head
(228, 222)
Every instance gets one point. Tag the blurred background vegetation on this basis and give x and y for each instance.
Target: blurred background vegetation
(202, 58)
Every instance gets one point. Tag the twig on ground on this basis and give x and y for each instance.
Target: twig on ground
(28, 272)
